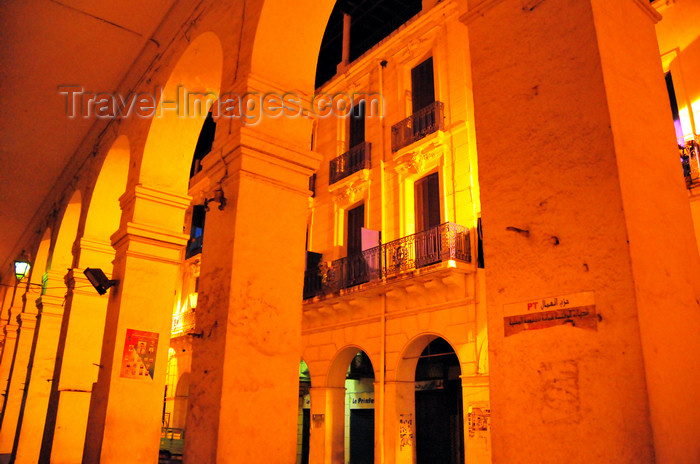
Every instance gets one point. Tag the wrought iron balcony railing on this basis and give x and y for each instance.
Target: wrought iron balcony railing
(690, 160)
(353, 160)
(182, 323)
(445, 242)
(426, 121)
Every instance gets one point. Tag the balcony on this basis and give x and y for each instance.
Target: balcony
(182, 323)
(690, 160)
(426, 121)
(388, 261)
(353, 160)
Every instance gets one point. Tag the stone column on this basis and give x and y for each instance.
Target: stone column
(323, 416)
(127, 400)
(77, 365)
(400, 422)
(245, 367)
(24, 330)
(476, 411)
(583, 205)
(9, 328)
(29, 406)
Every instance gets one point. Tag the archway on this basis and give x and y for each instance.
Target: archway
(84, 316)
(439, 411)
(172, 138)
(43, 357)
(148, 251)
(429, 372)
(353, 435)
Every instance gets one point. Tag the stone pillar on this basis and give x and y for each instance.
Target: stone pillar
(583, 204)
(127, 400)
(245, 367)
(400, 422)
(323, 417)
(14, 306)
(476, 411)
(77, 365)
(8, 353)
(42, 361)
(33, 364)
(24, 330)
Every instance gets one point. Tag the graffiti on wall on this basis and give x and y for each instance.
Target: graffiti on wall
(405, 430)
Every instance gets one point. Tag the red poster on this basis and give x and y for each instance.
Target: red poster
(139, 359)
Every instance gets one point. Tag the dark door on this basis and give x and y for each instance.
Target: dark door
(362, 436)
(305, 434)
(439, 430)
(427, 211)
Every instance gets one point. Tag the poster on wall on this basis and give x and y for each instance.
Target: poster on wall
(139, 359)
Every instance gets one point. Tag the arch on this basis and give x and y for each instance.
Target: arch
(104, 212)
(173, 135)
(36, 279)
(340, 363)
(180, 400)
(62, 255)
(406, 368)
(273, 54)
(183, 385)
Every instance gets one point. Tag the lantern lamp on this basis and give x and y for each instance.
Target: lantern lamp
(22, 267)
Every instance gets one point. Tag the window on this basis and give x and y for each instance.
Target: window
(356, 221)
(423, 85)
(204, 143)
(194, 245)
(357, 124)
(427, 202)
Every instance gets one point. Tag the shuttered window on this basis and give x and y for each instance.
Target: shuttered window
(357, 124)
(423, 85)
(427, 202)
(356, 221)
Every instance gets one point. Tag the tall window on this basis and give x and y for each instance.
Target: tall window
(356, 221)
(357, 124)
(204, 143)
(427, 202)
(423, 85)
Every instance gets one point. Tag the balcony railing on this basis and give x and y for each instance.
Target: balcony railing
(182, 323)
(426, 121)
(445, 242)
(690, 160)
(353, 160)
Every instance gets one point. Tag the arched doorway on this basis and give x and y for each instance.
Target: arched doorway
(438, 403)
(350, 408)
(359, 407)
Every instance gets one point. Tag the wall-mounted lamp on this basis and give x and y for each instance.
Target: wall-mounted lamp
(99, 280)
(22, 266)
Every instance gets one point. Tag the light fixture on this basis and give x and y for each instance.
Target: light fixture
(99, 280)
(22, 266)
